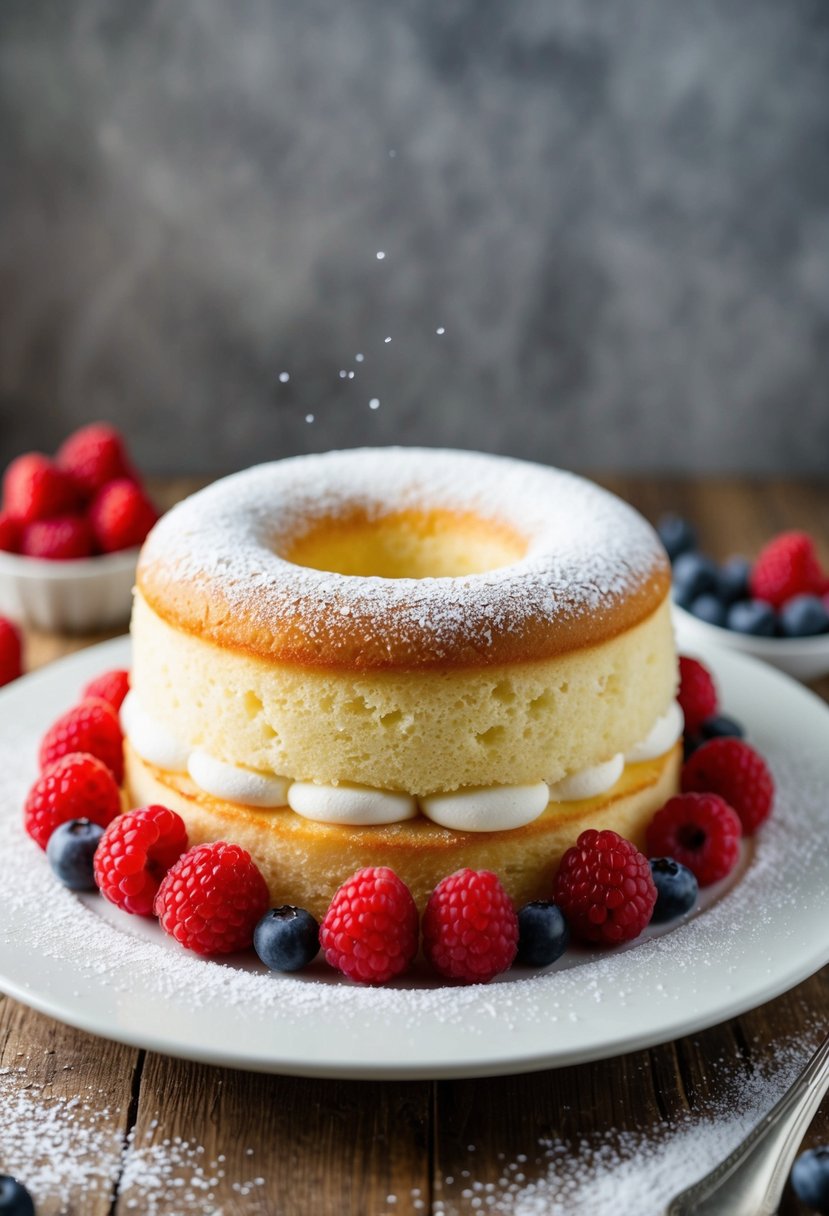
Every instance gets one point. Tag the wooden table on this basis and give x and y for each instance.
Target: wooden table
(291, 1146)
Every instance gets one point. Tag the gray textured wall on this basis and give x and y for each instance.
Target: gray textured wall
(618, 211)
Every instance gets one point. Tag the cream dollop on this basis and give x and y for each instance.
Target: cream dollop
(237, 784)
(663, 735)
(153, 742)
(494, 809)
(358, 805)
(589, 782)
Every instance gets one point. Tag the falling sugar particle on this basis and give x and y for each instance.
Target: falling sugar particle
(387, 339)
(440, 330)
(380, 255)
(343, 373)
(359, 358)
(374, 404)
(309, 417)
(284, 377)
(351, 375)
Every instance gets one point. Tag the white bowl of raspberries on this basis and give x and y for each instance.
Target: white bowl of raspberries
(774, 608)
(70, 530)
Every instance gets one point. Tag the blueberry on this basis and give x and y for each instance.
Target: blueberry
(754, 617)
(676, 889)
(810, 1178)
(676, 534)
(70, 850)
(543, 934)
(732, 579)
(15, 1200)
(709, 608)
(287, 938)
(694, 575)
(720, 726)
(803, 617)
(690, 743)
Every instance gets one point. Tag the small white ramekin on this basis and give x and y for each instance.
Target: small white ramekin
(804, 658)
(86, 595)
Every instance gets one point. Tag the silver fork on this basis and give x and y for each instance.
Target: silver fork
(750, 1181)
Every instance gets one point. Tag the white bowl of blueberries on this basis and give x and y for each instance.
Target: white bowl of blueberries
(775, 608)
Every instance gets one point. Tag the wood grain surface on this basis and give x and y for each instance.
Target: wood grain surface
(174, 1138)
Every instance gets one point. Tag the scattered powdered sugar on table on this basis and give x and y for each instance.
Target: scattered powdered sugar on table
(631, 1171)
(62, 1148)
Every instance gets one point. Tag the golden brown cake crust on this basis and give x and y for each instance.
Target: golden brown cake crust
(235, 564)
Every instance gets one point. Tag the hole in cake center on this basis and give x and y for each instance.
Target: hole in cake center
(407, 544)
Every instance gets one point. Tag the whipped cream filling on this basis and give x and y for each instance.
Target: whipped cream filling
(151, 740)
(235, 783)
(495, 808)
(356, 805)
(664, 733)
(590, 782)
(488, 809)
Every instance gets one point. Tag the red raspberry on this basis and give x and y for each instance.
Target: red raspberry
(75, 787)
(787, 566)
(370, 929)
(605, 888)
(699, 830)
(134, 855)
(212, 899)
(11, 533)
(94, 455)
(111, 687)
(35, 488)
(60, 539)
(735, 771)
(697, 694)
(121, 515)
(11, 652)
(91, 726)
(470, 929)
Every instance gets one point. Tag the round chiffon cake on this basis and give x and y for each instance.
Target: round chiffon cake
(410, 657)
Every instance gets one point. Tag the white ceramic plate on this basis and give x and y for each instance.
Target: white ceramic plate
(85, 963)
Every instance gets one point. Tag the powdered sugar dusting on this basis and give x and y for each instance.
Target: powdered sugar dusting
(626, 1170)
(586, 551)
(102, 960)
(64, 1148)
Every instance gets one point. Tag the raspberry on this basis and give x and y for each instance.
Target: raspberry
(697, 694)
(59, 539)
(121, 515)
(91, 726)
(75, 787)
(786, 567)
(470, 928)
(605, 888)
(11, 652)
(212, 899)
(134, 855)
(35, 488)
(370, 929)
(735, 771)
(94, 455)
(11, 533)
(111, 686)
(700, 831)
